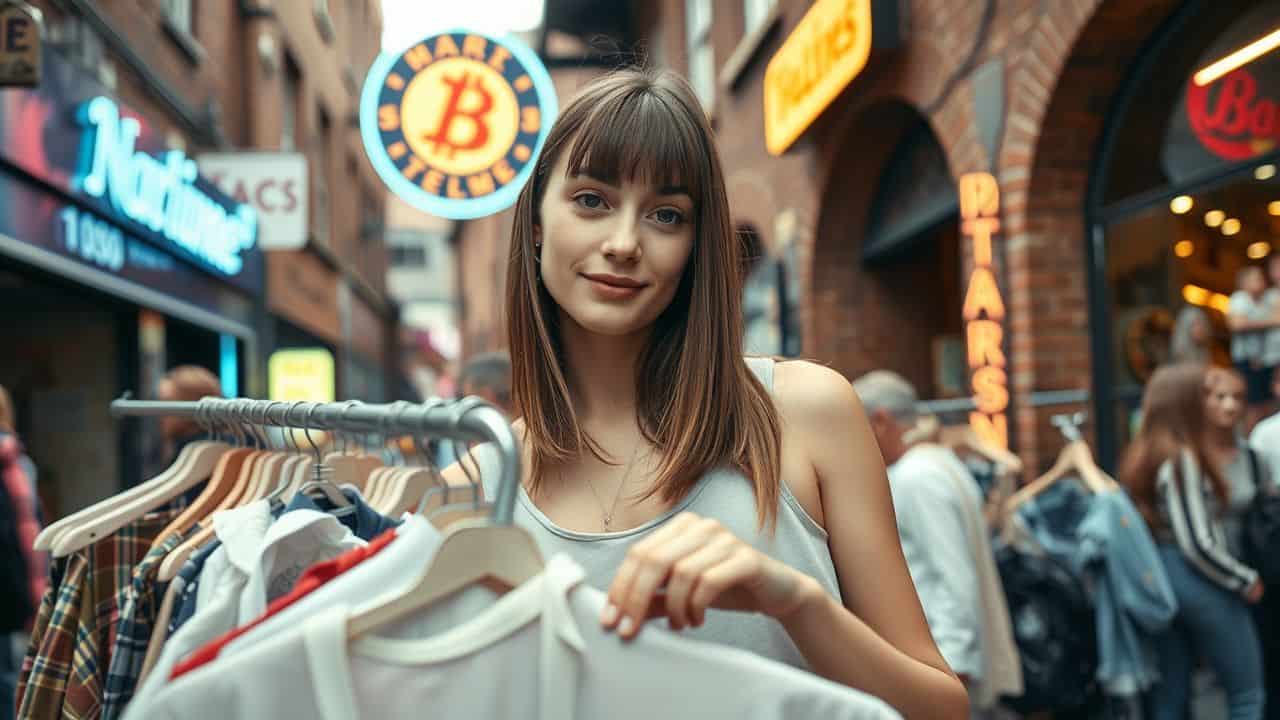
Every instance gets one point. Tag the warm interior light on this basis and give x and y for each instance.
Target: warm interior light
(1259, 250)
(1230, 226)
(1264, 172)
(1181, 204)
(1197, 295)
(1184, 248)
(1238, 58)
(1214, 218)
(1273, 207)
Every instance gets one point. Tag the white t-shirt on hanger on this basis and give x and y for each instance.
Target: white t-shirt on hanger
(537, 652)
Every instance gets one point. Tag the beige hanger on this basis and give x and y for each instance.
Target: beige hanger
(174, 561)
(48, 537)
(471, 553)
(1075, 458)
(963, 437)
(202, 462)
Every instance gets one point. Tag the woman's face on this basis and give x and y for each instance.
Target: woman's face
(612, 256)
(1225, 404)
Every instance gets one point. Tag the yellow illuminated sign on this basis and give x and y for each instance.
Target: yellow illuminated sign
(305, 374)
(822, 55)
(984, 311)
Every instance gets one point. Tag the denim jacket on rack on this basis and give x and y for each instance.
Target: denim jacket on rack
(1106, 542)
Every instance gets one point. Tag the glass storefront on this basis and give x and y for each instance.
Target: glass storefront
(1187, 194)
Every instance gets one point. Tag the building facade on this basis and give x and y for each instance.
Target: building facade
(1009, 203)
(107, 283)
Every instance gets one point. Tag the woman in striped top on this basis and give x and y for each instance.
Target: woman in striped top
(1185, 497)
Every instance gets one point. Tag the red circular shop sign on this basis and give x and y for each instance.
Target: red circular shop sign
(1234, 118)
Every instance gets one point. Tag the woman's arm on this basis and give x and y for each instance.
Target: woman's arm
(879, 641)
(1181, 487)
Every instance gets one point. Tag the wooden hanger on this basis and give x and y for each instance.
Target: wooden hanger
(962, 437)
(174, 561)
(200, 465)
(1075, 460)
(215, 491)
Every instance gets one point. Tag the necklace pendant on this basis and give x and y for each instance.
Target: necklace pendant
(608, 520)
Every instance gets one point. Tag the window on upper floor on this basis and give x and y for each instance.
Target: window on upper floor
(409, 256)
(754, 13)
(289, 106)
(702, 59)
(321, 215)
(178, 13)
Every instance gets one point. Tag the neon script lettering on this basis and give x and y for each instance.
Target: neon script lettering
(159, 194)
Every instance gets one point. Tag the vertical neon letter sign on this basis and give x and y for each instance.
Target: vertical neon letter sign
(984, 311)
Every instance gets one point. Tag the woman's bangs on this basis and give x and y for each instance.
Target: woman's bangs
(636, 136)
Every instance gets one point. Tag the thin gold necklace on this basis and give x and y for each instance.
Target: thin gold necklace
(607, 515)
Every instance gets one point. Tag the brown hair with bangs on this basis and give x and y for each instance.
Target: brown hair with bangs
(1173, 419)
(696, 399)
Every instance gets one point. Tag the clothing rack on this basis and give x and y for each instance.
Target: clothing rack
(468, 419)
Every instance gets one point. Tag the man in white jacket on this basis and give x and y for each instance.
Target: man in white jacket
(945, 540)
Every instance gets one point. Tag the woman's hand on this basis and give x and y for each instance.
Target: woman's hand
(692, 563)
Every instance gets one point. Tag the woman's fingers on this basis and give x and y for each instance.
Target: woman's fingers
(646, 568)
(740, 567)
(685, 575)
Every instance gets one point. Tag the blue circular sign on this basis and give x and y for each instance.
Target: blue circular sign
(454, 123)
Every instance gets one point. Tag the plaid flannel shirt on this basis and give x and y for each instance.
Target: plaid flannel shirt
(63, 672)
(139, 604)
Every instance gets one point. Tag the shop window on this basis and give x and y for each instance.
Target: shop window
(1200, 129)
(1175, 220)
(702, 61)
(409, 257)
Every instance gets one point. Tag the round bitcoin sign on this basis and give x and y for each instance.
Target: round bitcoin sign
(454, 123)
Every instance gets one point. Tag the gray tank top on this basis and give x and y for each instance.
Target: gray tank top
(724, 494)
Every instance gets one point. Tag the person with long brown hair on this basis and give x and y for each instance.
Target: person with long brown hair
(686, 479)
(1173, 471)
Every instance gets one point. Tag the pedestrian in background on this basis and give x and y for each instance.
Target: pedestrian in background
(1192, 336)
(22, 569)
(1174, 471)
(941, 523)
(1254, 318)
(184, 383)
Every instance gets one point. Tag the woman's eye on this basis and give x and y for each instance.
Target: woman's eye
(668, 216)
(590, 201)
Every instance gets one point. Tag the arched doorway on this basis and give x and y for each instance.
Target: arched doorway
(886, 267)
(1184, 193)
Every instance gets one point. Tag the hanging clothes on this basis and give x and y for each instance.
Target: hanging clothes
(63, 673)
(540, 648)
(1105, 542)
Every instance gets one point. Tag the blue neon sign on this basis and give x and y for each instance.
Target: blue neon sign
(160, 193)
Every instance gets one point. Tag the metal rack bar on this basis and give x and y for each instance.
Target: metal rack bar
(469, 419)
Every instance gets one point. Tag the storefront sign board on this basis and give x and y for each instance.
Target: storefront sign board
(274, 183)
(21, 43)
(825, 52)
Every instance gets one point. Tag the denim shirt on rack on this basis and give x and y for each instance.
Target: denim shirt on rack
(1107, 544)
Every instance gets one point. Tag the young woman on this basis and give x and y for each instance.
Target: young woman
(1174, 471)
(686, 479)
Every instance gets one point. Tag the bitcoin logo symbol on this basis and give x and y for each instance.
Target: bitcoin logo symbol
(459, 86)
(459, 116)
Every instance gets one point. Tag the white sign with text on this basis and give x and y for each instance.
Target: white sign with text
(274, 183)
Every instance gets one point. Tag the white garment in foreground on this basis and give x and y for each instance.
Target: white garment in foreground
(537, 652)
(258, 553)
